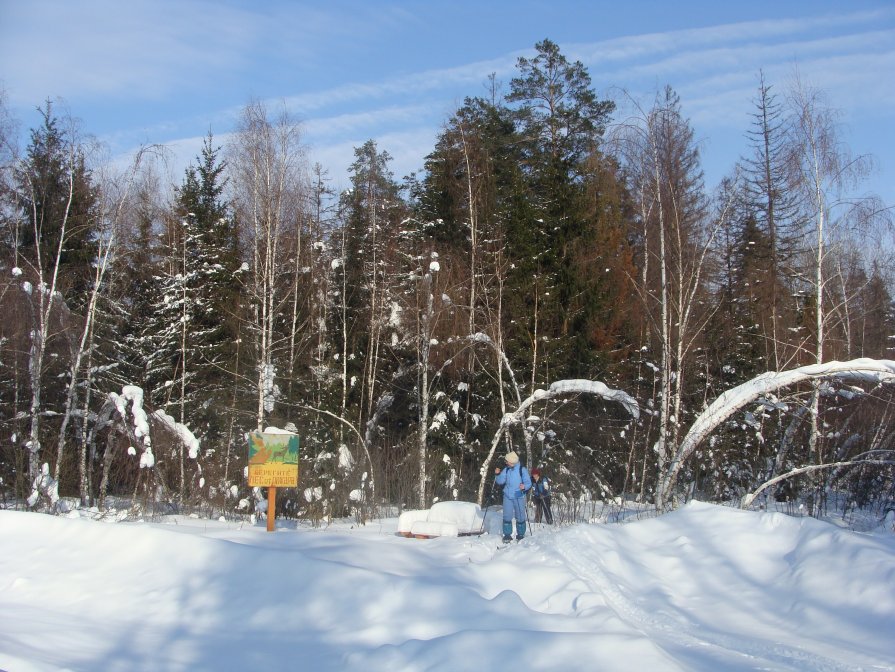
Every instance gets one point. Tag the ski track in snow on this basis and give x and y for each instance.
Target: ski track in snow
(668, 632)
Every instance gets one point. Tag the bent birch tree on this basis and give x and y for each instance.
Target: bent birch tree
(873, 370)
(556, 389)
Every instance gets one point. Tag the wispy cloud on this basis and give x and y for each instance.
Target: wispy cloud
(361, 124)
(149, 49)
(134, 49)
(715, 69)
(409, 86)
(313, 57)
(652, 46)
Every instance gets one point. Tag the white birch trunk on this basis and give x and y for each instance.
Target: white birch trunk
(425, 336)
(40, 335)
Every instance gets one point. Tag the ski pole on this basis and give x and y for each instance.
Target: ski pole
(487, 506)
(529, 522)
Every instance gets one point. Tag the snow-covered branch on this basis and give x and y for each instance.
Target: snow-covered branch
(182, 432)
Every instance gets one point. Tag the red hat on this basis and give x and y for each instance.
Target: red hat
(535, 472)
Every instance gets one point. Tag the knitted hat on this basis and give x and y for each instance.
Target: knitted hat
(535, 472)
(512, 458)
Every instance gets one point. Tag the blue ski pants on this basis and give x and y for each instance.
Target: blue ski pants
(514, 507)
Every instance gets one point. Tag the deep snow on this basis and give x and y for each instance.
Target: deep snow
(703, 588)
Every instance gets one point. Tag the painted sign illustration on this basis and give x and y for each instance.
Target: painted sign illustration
(273, 460)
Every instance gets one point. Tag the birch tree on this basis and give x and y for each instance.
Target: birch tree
(823, 170)
(674, 255)
(269, 183)
(425, 313)
(54, 246)
(114, 199)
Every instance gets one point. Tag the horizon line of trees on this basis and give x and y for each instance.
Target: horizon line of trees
(397, 326)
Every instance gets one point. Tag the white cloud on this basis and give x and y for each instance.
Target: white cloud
(366, 122)
(753, 34)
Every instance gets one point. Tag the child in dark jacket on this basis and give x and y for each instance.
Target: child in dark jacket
(540, 492)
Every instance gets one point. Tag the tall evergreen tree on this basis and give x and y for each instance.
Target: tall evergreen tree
(58, 204)
(212, 261)
(140, 262)
(560, 122)
(737, 344)
(373, 210)
(192, 329)
(473, 189)
(877, 318)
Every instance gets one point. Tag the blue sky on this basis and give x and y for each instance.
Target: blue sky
(166, 72)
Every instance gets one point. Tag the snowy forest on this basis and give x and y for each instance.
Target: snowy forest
(557, 279)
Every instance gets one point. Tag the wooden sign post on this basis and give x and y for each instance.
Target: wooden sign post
(273, 463)
(271, 507)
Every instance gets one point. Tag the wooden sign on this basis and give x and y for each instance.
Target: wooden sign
(273, 460)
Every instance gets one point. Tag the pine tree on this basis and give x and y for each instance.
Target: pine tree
(560, 121)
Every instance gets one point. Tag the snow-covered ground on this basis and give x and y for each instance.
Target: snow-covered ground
(703, 588)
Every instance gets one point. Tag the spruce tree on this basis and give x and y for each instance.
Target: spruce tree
(191, 333)
(774, 210)
(57, 197)
(472, 188)
(877, 319)
(372, 210)
(212, 263)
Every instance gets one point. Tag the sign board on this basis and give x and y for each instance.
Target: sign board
(273, 460)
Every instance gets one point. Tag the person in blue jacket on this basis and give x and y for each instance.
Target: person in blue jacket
(516, 482)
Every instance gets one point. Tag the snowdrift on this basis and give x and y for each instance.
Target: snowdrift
(702, 589)
(444, 519)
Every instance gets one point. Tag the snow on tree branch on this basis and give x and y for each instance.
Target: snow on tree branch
(574, 386)
(556, 389)
(180, 431)
(134, 395)
(750, 497)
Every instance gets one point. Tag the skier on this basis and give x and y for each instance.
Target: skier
(540, 492)
(516, 482)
